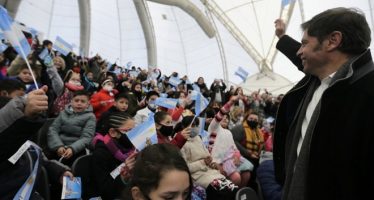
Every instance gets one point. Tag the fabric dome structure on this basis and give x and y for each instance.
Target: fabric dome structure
(208, 38)
(272, 82)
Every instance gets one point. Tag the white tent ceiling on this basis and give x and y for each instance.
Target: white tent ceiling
(182, 46)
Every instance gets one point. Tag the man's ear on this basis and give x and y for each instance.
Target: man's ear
(136, 193)
(334, 40)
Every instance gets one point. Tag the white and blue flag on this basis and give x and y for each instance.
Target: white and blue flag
(242, 73)
(193, 94)
(174, 81)
(196, 87)
(144, 134)
(129, 64)
(286, 2)
(200, 104)
(44, 54)
(166, 102)
(62, 46)
(71, 189)
(202, 132)
(13, 33)
(46, 57)
(133, 74)
(164, 95)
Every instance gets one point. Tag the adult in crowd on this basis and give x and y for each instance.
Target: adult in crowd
(323, 136)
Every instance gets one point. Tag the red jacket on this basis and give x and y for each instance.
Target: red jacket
(178, 140)
(101, 96)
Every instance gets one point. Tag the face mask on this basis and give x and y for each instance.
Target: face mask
(73, 87)
(152, 106)
(167, 130)
(108, 88)
(180, 101)
(194, 132)
(252, 124)
(124, 141)
(76, 83)
(216, 109)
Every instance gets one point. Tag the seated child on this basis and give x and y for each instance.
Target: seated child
(72, 131)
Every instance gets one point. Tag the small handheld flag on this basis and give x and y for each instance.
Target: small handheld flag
(62, 46)
(143, 134)
(242, 73)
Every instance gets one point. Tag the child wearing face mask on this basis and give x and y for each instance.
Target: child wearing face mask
(104, 99)
(165, 130)
(72, 83)
(110, 151)
(203, 170)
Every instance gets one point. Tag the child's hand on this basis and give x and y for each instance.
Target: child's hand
(60, 151)
(68, 153)
(236, 161)
(208, 160)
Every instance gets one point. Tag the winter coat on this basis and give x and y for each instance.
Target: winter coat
(194, 153)
(74, 130)
(340, 164)
(97, 98)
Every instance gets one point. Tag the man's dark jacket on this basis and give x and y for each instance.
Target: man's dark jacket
(341, 162)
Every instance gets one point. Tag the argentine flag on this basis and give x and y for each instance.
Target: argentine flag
(62, 46)
(13, 33)
(174, 81)
(44, 54)
(203, 133)
(200, 104)
(129, 64)
(143, 134)
(46, 57)
(193, 94)
(196, 87)
(286, 2)
(166, 102)
(241, 73)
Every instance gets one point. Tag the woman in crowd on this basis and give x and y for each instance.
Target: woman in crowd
(203, 88)
(160, 172)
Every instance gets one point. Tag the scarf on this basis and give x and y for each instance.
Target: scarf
(254, 140)
(119, 154)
